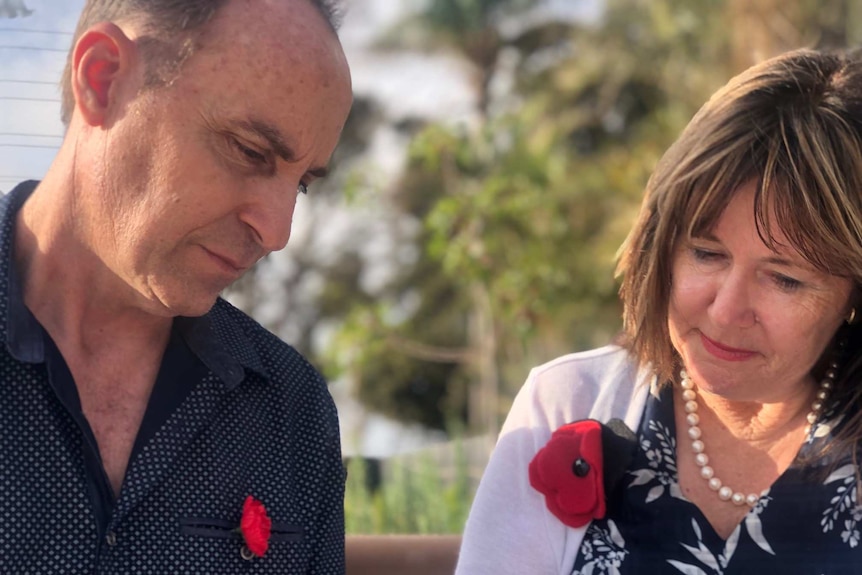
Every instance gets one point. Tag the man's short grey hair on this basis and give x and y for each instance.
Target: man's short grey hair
(170, 32)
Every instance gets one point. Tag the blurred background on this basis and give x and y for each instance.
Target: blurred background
(490, 169)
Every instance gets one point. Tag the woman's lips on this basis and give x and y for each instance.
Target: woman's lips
(724, 352)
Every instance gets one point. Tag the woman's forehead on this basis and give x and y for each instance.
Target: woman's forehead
(776, 226)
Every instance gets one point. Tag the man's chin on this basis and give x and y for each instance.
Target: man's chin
(185, 306)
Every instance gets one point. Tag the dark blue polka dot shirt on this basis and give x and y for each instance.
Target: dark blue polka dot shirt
(234, 412)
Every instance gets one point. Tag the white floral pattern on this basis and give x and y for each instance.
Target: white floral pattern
(707, 558)
(603, 552)
(842, 508)
(653, 528)
(717, 563)
(661, 471)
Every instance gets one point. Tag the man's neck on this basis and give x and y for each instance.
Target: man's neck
(75, 297)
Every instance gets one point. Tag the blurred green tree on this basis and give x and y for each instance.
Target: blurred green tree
(523, 212)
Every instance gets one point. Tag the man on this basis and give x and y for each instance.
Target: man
(140, 412)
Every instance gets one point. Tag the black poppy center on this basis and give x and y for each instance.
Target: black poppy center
(580, 467)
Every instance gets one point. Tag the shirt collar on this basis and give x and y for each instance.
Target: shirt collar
(224, 349)
(20, 331)
(219, 343)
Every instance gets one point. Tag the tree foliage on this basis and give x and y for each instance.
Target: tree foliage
(518, 216)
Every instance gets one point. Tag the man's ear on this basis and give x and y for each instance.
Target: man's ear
(103, 63)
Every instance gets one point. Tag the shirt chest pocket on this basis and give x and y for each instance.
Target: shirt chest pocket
(282, 534)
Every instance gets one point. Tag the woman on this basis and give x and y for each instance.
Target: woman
(739, 370)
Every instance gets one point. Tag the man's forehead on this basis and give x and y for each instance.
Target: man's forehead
(264, 35)
(274, 71)
(253, 20)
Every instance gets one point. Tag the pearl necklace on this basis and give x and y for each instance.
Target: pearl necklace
(725, 492)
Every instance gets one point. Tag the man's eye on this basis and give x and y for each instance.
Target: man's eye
(302, 188)
(252, 155)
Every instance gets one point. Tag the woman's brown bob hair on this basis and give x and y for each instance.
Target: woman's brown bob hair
(793, 125)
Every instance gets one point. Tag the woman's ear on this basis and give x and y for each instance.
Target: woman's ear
(103, 63)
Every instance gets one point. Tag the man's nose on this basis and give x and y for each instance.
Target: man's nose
(269, 215)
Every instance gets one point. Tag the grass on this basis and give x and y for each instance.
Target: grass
(416, 495)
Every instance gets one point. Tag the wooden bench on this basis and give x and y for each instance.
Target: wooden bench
(402, 554)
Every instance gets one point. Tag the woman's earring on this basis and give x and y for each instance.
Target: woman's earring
(852, 317)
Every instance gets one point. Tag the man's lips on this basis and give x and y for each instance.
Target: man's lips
(725, 352)
(229, 264)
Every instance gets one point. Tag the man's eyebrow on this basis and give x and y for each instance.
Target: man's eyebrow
(277, 141)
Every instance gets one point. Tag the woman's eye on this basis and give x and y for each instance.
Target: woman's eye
(703, 255)
(787, 283)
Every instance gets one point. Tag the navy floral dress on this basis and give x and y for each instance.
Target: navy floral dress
(806, 523)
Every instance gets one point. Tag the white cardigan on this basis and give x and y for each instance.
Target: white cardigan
(510, 530)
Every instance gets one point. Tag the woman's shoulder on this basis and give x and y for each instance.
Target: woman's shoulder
(586, 370)
(598, 383)
(586, 362)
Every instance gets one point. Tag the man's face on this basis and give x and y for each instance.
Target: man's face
(199, 178)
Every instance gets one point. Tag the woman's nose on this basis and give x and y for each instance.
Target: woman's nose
(732, 304)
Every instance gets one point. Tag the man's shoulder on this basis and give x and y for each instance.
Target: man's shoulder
(247, 339)
(275, 371)
(228, 318)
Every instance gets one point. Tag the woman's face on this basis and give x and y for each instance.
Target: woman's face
(750, 322)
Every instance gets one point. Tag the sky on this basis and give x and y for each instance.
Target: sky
(32, 55)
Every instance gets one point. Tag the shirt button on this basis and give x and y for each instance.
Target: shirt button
(111, 539)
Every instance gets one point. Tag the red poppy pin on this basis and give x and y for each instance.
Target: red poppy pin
(579, 465)
(255, 527)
